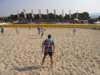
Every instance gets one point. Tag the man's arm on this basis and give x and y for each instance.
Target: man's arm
(43, 47)
(54, 48)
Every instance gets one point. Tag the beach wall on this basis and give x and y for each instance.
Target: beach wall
(51, 25)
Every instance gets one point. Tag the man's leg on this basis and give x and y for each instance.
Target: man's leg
(42, 34)
(51, 61)
(1, 32)
(38, 31)
(43, 59)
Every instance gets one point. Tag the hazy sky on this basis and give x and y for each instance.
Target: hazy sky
(8, 7)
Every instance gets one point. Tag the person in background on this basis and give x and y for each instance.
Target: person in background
(2, 30)
(74, 31)
(39, 29)
(42, 32)
(17, 30)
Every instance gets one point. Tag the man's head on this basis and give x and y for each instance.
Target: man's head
(49, 36)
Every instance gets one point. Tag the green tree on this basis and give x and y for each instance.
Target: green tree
(51, 16)
(99, 18)
(21, 14)
(36, 16)
(14, 17)
(91, 21)
(67, 17)
(85, 16)
(29, 16)
(44, 16)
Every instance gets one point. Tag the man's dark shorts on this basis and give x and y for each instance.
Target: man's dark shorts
(50, 53)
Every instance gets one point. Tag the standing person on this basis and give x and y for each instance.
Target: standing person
(42, 32)
(2, 30)
(17, 30)
(74, 31)
(39, 29)
(48, 47)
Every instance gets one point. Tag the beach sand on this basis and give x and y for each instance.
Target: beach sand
(21, 54)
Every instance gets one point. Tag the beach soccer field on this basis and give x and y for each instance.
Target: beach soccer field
(21, 54)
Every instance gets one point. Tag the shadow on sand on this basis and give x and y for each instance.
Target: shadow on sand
(33, 38)
(28, 68)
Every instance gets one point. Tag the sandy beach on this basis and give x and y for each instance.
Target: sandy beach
(21, 54)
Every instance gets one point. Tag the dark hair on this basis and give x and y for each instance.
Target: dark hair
(49, 36)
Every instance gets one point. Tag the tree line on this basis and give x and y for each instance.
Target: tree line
(81, 16)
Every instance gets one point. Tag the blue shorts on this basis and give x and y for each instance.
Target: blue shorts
(1, 30)
(39, 29)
